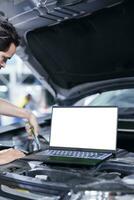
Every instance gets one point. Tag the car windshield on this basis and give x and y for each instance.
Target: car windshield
(121, 98)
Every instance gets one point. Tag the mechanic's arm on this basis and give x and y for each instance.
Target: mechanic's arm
(8, 109)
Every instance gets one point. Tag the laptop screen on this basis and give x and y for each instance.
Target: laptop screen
(84, 127)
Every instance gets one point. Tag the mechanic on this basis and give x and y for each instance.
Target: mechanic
(9, 41)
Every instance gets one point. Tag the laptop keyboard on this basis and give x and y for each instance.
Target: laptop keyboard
(77, 154)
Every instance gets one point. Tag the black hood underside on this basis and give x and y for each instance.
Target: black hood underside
(93, 48)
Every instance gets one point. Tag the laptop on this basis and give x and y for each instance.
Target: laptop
(81, 135)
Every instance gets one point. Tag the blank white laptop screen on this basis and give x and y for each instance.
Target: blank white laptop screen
(84, 127)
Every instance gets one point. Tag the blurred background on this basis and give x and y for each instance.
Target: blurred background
(19, 86)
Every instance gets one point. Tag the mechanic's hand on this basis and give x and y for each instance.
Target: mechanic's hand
(9, 155)
(32, 126)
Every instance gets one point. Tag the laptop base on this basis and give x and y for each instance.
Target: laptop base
(64, 160)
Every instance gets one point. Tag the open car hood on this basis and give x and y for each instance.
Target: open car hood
(73, 42)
